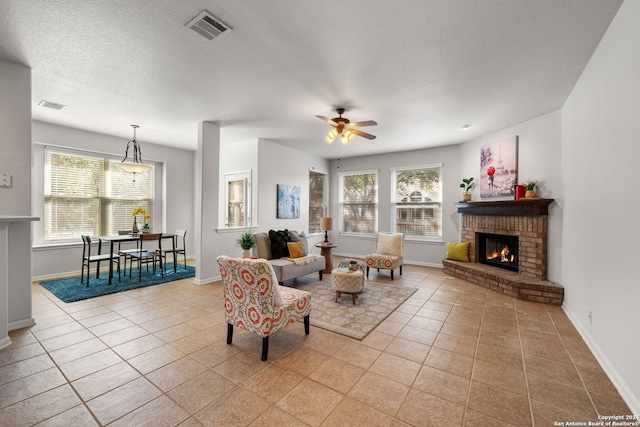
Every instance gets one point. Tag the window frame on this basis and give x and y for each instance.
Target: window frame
(318, 209)
(240, 176)
(395, 205)
(110, 203)
(341, 202)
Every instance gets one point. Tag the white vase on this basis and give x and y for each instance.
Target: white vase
(246, 253)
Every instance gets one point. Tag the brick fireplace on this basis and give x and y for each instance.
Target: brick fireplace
(528, 221)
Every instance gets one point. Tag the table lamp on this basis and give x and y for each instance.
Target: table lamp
(325, 225)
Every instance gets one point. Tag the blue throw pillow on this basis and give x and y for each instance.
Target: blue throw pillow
(300, 237)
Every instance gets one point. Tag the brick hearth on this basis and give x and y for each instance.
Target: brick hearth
(526, 219)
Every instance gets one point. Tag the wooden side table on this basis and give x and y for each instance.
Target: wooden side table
(325, 251)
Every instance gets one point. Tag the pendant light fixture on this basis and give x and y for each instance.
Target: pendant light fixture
(136, 165)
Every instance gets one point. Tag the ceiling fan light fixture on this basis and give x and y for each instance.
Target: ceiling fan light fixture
(345, 128)
(331, 135)
(346, 137)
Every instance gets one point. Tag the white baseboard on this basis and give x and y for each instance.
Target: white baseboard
(24, 323)
(627, 395)
(207, 280)
(5, 342)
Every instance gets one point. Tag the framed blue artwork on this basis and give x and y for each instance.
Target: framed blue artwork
(288, 201)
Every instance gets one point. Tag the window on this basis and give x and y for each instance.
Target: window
(359, 202)
(417, 199)
(90, 194)
(317, 200)
(238, 186)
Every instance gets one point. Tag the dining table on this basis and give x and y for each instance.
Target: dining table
(132, 238)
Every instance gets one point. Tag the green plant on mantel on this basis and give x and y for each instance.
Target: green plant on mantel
(531, 184)
(467, 184)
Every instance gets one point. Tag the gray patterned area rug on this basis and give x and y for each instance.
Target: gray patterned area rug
(373, 305)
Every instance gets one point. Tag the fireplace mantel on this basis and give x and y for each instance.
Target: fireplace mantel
(506, 207)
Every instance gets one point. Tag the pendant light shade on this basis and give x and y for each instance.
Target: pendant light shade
(136, 165)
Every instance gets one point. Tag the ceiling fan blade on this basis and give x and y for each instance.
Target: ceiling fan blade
(366, 123)
(363, 134)
(331, 122)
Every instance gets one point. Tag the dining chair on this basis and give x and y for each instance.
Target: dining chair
(87, 259)
(126, 252)
(178, 250)
(147, 256)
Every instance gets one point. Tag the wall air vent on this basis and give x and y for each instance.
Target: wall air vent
(50, 104)
(208, 26)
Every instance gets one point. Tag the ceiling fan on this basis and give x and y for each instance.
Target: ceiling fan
(345, 128)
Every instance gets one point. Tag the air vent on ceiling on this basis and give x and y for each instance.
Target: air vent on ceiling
(50, 104)
(208, 26)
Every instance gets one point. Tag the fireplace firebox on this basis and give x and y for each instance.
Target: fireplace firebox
(498, 250)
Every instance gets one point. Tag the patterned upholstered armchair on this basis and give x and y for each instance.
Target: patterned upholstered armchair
(254, 301)
(389, 253)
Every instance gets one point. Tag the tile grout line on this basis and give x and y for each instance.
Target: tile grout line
(573, 362)
(524, 365)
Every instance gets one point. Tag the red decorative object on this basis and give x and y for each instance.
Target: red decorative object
(520, 191)
(491, 170)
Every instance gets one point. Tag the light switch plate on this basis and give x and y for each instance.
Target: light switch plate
(5, 179)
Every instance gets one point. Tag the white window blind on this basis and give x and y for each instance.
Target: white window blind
(90, 194)
(359, 202)
(417, 201)
(317, 200)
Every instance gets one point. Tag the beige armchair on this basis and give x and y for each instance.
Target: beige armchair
(254, 301)
(389, 253)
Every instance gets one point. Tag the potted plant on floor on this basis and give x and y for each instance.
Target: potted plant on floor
(467, 184)
(247, 241)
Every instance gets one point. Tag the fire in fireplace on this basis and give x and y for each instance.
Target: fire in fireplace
(498, 250)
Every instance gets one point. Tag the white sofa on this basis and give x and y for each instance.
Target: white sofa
(285, 268)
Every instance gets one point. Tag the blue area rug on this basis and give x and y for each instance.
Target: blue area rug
(70, 289)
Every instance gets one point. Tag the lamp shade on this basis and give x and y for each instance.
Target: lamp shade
(135, 167)
(326, 224)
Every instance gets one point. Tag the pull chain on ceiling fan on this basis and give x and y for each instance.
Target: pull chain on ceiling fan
(346, 129)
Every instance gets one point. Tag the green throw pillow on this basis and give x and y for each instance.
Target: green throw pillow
(458, 251)
(300, 237)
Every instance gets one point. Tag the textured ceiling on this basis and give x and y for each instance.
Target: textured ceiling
(420, 68)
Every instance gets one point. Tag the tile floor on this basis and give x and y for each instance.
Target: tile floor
(453, 355)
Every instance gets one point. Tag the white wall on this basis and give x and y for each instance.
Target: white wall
(15, 138)
(278, 164)
(539, 152)
(177, 190)
(209, 244)
(423, 253)
(240, 157)
(600, 162)
(270, 164)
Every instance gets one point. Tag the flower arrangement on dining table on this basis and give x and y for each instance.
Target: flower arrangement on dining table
(140, 211)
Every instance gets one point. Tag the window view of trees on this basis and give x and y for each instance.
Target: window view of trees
(317, 200)
(417, 201)
(91, 194)
(359, 202)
